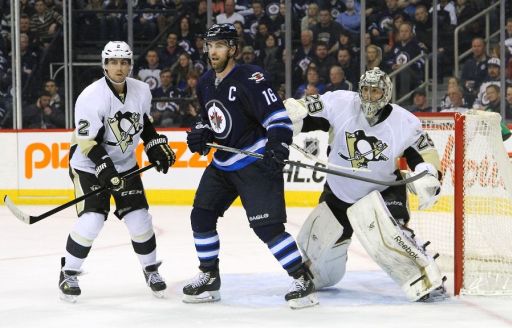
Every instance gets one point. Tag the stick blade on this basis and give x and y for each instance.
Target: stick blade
(16, 211)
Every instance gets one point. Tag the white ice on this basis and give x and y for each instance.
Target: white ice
(253, 284)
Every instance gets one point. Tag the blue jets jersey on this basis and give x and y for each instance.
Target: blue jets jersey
(244, 112)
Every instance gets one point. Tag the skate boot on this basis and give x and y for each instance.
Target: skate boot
(437, 295)
(203, 288)
(68, 284)
(302, 291)
(154, 280)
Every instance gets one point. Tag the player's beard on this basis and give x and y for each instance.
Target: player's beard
(220, 64)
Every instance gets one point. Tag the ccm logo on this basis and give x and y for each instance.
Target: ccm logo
(42, 156)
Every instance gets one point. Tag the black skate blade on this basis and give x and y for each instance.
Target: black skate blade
(205, 297)
(68, 298)
(303, 302)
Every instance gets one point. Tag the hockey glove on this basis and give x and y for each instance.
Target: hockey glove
(108, 176)
(276, 153)
(198, 137)
(160, 153)
(426, 188)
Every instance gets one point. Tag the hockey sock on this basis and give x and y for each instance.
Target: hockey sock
(285, 250)
(207, 247)
(140, 226)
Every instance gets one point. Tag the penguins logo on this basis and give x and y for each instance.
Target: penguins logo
(124, 126)
(363, 149)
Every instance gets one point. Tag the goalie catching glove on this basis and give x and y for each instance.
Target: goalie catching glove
(160, 153)
(108, 176)
(426, 188)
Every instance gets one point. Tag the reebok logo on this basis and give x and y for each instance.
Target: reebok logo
(406, 248)
(258, 217)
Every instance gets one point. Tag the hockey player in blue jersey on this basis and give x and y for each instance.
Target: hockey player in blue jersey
(240, 109)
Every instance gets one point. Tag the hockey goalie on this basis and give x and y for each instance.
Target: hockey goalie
(367, 131)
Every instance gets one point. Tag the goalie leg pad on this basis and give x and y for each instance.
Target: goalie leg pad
(393, 248)
(324, 253)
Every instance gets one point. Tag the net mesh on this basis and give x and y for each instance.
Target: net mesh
(487, 204)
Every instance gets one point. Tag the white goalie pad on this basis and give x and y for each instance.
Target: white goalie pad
(318, 241)
(296, 111)
(393, 248)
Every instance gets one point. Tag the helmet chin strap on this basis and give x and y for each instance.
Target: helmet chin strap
(114, 82)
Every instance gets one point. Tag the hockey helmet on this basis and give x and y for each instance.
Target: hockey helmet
(226, 31)
(375, 78)
(116, 49)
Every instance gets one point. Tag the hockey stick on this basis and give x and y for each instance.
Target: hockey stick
(312, 157)
(323, 169)
(30, 219)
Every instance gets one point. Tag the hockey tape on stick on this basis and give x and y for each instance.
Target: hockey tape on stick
(30, 219)
(322, 169)
(312, 157)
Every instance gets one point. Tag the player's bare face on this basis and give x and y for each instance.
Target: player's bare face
(218, 52)
(118, 69)
(371, 94)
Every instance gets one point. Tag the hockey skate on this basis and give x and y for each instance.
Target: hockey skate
(437, 295)
(68, 284)
(203, 288)
(302, 291)
(154, 280)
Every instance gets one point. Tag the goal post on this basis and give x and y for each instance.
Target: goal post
(471, 225)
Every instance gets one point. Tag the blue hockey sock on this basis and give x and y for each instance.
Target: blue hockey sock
(207, 248)
(285, 250)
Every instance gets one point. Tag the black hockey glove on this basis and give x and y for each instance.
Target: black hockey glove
(160, 153)
(198, 137)
(108, 176)
(276, 153)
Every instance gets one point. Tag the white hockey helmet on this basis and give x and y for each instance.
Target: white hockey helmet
(116, 49)
(379, 79)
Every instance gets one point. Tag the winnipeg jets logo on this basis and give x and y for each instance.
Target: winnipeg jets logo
(363, 149)
(257, 77)
(220, 119)
(124, 126)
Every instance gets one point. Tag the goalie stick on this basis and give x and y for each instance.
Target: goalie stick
(322, 169)
(30, 219)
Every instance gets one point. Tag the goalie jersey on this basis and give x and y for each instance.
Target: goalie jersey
(115, 123)
(357, 144)
(243, 112)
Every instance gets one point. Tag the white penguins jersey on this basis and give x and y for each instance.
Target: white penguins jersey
(359, 145)
(101, 117)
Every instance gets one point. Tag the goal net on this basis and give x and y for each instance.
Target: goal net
(471, 225)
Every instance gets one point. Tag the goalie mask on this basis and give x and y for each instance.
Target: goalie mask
(118, 50)
(372, 102)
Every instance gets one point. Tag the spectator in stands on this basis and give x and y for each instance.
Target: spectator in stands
(323, 61)
(169, 55)
(350, 19)
(447, 7)
(381, 22)
(199, 18)
(326, 30)
(345, 42)
(373, 56)
(271, 55)
(258, 16)
(191, 91)
(29, 58)
(403, 52)
(446, 103)
(191, 115)
(456, 98)
(41, 115)
(313, 86)
(150, 71)
(45, 23)
(493, 77)
(244, 39)
(311, 19)
(229, 15)
(56, 102)
(303, 55)
(165, 113)
(261, 36)
(25, 27)
(338, 81)
(508, 98)
(494, 105)
(420, 102)
(508, 38)
(181, 69)
(27, 8)
(185, 31)
(113, 22)
(350, 66)
(145, 24)
(474, 69)
(248, 56)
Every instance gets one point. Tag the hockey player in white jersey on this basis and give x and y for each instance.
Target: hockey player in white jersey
(370, 132)
(111, 116)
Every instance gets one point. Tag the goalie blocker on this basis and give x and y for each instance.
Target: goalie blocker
(394, 249)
